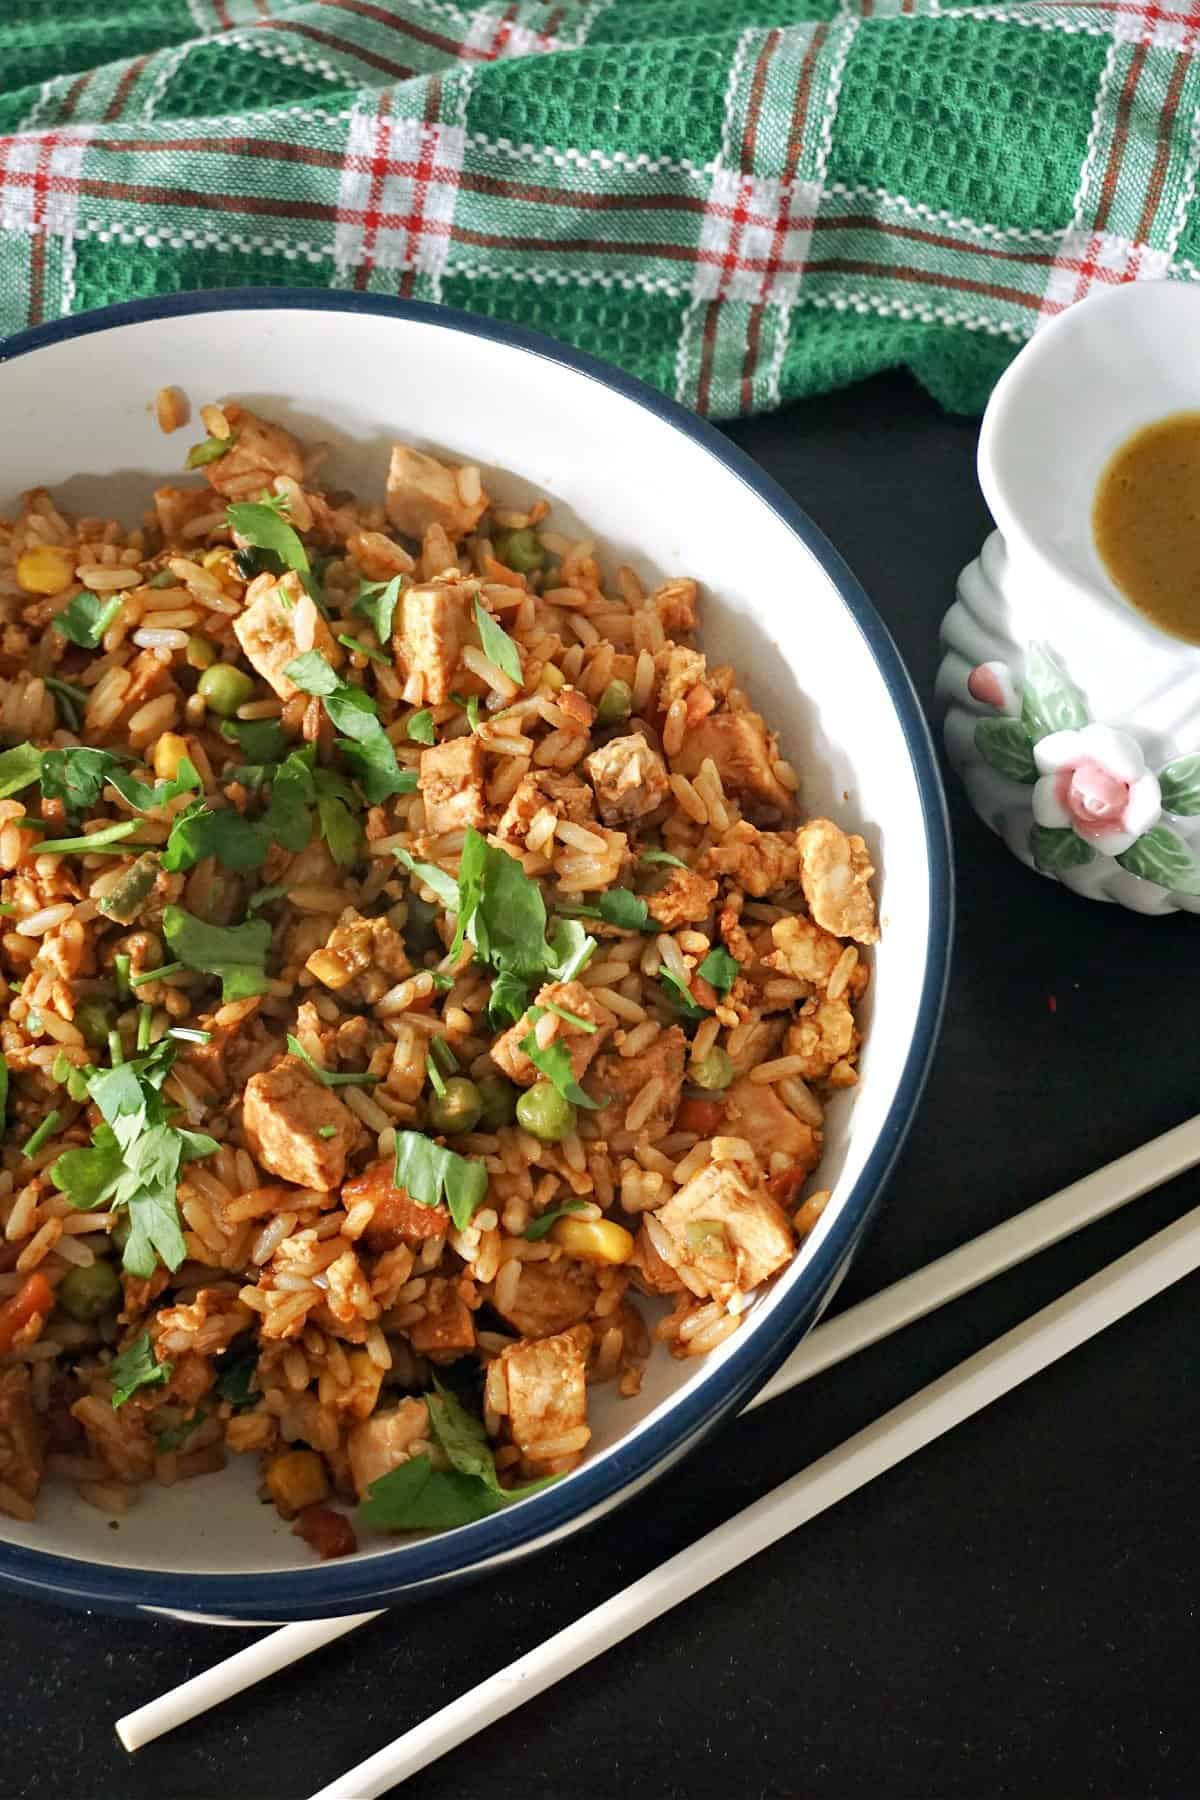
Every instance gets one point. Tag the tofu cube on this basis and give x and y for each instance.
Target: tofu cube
(451, 782)
(267, 633)
(284, 1112)
(743, 751)
(546, 1400)
(421, 491)
(728, 1231)
(581, 1045)
(429, 632)
(629, 778)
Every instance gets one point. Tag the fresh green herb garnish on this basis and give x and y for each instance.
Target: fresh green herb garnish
(135, 1158)
(676, 991)
(377, 602)
(364, 743)
(46, 1129)
(445, 1055)
(554, 1061)
(171, 968)
(470, 705)
(326, 1131)
(72, 701)
(266, 896)
(86, 618)
(431, 1174)
(361, 649)
(540, 1227)
(237, 953)
(327, 1077)
(620, 907)
(420, 727)
(235, 1375)
(263, 525)
(95, 840)
(261, 740)
(498, 647)
(661, 856)
(418, 1497)
(240, 843)
(443, 885)
(587, 1025)
(437, 1080)
(719, 969)
(136, 1368)
(19, 768)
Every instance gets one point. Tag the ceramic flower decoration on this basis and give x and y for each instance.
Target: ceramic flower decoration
(1093, 800)
(1095, 782)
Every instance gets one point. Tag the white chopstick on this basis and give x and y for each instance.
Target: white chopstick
(936, 1409)
(905, 1301)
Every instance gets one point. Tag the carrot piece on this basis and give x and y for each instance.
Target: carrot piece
(31, 1298)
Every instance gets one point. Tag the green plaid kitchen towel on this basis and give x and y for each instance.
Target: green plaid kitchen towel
(740, 200)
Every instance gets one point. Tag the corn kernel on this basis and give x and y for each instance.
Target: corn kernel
(168, 754)
(552, 677)
(47, 570)
(219, 559)
(295, 1480)
(593, 1240)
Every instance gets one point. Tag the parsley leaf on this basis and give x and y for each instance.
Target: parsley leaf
(260, 740)
(620, 907)
(263, 525)
(336, 813)
(365, 745)
(498, 647)
(237, 953)
(692, 1012)
(420, 727)
(720, 969)
(235, 1375)
(202, 831)
(540, 1227)
(571, 950)
(418, 1497)
(377, 601)
(431, 1174)
(554, 1061)
(78, 776)
(443, 885)
(662, 856)
(135, 1368)
(86, 619)
(19, 768)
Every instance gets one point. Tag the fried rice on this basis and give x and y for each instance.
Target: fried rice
(419, 989)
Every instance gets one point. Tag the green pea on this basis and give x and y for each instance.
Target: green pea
(545, 1114)
(86, 1293)
(519, 550)
(616, 703)
(200, 653)
(712, 1071)
(95, 1018)
(224, 689)
(499, 1102)
(458, 1109)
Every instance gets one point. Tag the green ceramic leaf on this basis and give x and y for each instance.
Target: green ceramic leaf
(1163, 857)
(1049, 702)
(1180, 783)
(1004, 745)
(1054, 850)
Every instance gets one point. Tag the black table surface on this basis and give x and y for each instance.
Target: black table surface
(1012, 1612)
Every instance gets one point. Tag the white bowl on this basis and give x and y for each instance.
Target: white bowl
(666, 493)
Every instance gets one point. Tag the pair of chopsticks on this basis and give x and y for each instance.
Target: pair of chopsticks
(956, 1396)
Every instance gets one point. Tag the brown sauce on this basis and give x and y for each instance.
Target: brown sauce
(1146, 522)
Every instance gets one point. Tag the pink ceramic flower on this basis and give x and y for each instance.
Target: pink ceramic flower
(1095, 781)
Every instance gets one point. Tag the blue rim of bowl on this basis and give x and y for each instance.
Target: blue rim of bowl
(329, 1589)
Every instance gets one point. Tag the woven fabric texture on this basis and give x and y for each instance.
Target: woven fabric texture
(742, 201)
